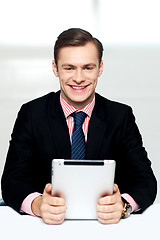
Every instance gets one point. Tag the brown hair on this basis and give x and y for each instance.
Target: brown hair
(76, 37)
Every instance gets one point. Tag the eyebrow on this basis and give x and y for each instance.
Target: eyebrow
(85, 65)
(90, 64)
(67, 65)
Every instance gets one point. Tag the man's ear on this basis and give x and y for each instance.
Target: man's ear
(100, 68)
(55, 69)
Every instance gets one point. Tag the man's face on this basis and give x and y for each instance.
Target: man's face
(78, 70)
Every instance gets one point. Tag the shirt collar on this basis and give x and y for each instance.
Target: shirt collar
(69, 109)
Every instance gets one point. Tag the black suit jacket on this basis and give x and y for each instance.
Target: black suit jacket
(41, 134)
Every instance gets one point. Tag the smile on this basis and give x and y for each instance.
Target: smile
(78, 88)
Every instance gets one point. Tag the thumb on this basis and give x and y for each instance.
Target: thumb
(47, 189)
(115, 188)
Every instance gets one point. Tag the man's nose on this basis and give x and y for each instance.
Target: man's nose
(78, 76)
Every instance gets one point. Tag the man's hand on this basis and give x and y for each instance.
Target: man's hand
(109, 208)
(51, 208)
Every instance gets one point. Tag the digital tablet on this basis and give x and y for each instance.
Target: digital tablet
(81, 183)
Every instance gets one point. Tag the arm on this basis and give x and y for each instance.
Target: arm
(17, 175)
(136, 177)
(27, 202)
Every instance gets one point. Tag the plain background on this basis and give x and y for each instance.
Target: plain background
(129, 32)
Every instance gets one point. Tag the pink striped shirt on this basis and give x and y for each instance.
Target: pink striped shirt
(68, 110)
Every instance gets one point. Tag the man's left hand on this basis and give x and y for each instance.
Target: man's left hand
(109, 208)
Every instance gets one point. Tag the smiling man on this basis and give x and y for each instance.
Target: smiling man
(45, 130)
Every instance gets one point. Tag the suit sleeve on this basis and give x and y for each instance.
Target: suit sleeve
(17, 176)
(137, 176)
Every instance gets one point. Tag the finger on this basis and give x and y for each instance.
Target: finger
(109, 216)
(48, 210)
(103, 208)
(47, 189)
(103, 200)
(57, 201)
(50, 220)
(56, 217)
(107, 200)
(109, 208)
(115, 188)
(110, 221)
(57, 210)
(114, 198)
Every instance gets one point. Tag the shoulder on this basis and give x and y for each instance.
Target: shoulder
(41, 100)
(110, 106)
(112, 111)
(40, 106)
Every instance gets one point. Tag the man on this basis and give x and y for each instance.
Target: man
(44, 129)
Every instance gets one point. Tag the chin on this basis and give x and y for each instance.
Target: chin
(81, 102)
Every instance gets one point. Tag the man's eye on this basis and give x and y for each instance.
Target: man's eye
(88, 68)
(69, 68)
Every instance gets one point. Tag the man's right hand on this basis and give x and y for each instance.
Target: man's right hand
(51, 208)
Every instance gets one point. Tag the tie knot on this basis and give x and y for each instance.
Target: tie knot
(79, 118)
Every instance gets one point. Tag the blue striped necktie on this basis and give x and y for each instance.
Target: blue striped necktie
(78, 139)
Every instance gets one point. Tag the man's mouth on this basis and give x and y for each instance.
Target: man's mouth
(78, 87)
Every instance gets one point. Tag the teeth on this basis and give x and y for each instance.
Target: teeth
(78, 88)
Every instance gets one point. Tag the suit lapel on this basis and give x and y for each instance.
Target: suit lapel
(59, 128)
(96, 131)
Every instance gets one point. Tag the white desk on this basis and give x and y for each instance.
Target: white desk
(21, 227)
